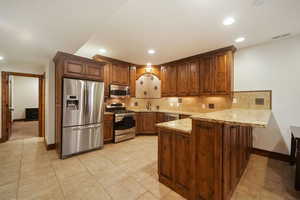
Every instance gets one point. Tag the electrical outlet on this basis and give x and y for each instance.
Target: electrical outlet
(234, 100)
(203, 106)
(211, 106)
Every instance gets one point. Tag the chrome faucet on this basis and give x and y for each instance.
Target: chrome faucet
(148, 105)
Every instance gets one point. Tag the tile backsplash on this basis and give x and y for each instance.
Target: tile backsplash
(187, 104)
(252, 99)
(240, 99)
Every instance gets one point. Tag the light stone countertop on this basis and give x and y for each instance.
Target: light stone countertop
(247, 117)
(108, 113)
(165, 111)
(181, 125)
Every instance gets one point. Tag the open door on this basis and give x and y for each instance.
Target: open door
(6, 107)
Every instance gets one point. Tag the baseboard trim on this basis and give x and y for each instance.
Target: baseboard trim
(271, 154)
(19, 120)
(50, 146)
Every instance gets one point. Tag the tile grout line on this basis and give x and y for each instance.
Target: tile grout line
(57, 179)
(94, 176)
(20, 170)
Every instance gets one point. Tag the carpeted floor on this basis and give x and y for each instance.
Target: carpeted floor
(24, 129)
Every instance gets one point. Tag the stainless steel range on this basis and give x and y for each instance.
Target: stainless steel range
(124, 122)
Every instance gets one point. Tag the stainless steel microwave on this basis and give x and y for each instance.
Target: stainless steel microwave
(118, 91)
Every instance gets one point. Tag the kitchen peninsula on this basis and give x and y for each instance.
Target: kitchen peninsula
(204, 157)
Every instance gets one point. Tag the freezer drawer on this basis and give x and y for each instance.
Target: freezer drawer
(81, 138)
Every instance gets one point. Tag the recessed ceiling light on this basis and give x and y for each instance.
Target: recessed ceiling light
(1, 58)
(151, 51)
(228, 21)
(258, 3)
(240, 39)
(102, 50)
(149, 64)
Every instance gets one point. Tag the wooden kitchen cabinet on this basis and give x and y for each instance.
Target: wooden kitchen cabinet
(132, 80)
(228, 149)
(107, 70)
(216, 74)
(108, 128)
(206, 75)
(146, 122)
(210, 73)
(74, 68)
(84, 70)
(169, 80)
(193, 78)
(222, 72)
(182, 79)
(174, 162)
(120, 74)
(160, 117)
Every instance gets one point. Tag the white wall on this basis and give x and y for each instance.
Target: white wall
(25, 93)
(18, 68)
(274, 66)
(50, 104)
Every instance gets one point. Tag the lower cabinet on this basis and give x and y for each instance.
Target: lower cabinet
(108, 128)
(221, 152)
(174, 162)
(145, 122)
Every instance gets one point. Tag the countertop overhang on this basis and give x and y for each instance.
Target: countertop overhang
(240, 117)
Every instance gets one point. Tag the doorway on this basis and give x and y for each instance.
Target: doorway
(23, 105)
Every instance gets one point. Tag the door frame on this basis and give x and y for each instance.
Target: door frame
(5, 100)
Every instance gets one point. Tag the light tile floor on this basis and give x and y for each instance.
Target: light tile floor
(124, 171)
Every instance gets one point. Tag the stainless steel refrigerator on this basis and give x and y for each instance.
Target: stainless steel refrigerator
(83, 109)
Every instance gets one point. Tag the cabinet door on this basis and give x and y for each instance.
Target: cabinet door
(164, 81)
(234, 162)
(115, 73)
(207, 167)
(182, 79)
(139, 122)
(226, 163)
(165, 160)
(132, 77)
(149, 120)
(181, 163)
(194, 78)
(206, 75)
(74, 68)
(160, 117)
(94, 71)
(172, 80)
(107, 74)
(108, 128)
(124, 74)
(221, 74)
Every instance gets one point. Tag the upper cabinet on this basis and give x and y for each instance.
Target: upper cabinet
(78, 67)
(168, 80)
(182, 79)
(193, 78)
(205, 74)
(115, 72)
(216, 74)
(132, 78)
(120, 74)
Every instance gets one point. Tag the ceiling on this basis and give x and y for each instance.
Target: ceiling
(32, 31)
